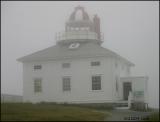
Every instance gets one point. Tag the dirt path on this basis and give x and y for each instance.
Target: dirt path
(127, 115)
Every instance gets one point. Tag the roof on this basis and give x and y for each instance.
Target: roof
(11, 95)
(129, 77)
(84, 14)
(58, 52)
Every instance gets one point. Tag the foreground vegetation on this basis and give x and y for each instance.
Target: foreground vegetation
(48, 112)
(154, 117)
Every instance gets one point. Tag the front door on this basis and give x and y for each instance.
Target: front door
(126, 88)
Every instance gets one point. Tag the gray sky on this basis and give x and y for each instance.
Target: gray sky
(131, 29)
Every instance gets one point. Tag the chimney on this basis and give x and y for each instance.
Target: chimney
(96, 22)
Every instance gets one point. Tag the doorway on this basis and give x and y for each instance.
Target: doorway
(127, 87)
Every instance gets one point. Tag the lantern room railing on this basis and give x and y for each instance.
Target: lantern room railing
(72, 35)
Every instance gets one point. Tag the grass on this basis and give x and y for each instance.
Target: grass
(48, 112)
(154, 117)
(98, 106)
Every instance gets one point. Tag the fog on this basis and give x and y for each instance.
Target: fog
(130, 29)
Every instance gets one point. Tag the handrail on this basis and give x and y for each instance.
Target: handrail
(76, 35)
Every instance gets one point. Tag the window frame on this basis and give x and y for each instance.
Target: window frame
(39, 85)
(95, 63)
(64, 85)
(37, 67)
(99, 89)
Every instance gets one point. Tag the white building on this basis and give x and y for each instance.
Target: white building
(78, 69)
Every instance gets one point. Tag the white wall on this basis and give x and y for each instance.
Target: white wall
(122, 69)
(81, 83)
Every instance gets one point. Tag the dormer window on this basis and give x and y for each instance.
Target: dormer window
(37, 67)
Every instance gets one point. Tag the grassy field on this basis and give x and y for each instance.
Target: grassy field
(154, 117)
(48, 112)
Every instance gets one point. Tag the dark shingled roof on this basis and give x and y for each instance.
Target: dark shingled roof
(58, 52)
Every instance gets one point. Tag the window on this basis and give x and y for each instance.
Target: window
(66, 84)
(95, 63)
(96, 82)
(36, 67)
(66, 65)
(38, 85)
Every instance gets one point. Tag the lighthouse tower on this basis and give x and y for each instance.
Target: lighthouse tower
(80, 28)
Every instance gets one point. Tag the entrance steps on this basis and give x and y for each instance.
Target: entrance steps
(121, 108)
(121, 105)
